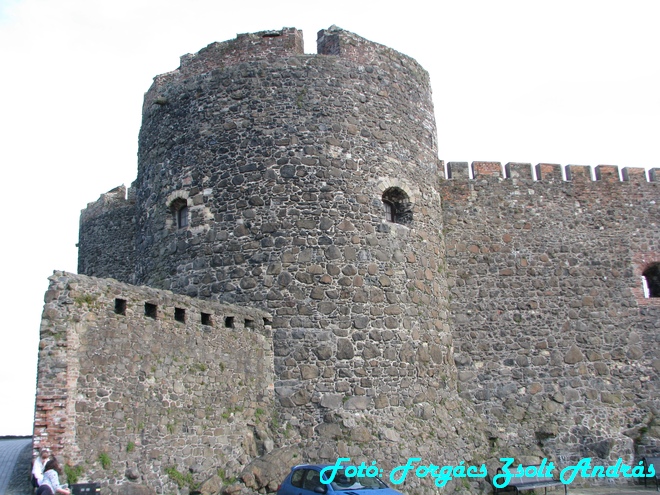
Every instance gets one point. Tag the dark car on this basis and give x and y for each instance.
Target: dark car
(306, 480)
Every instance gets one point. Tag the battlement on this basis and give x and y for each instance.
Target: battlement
(109, 201)
(549, 172)
(350, 46)
(280, 44)
(268, 45)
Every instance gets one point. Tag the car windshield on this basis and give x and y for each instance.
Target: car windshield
(342, 483)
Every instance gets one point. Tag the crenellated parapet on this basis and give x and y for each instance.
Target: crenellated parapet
(549, 172)
(600, 185)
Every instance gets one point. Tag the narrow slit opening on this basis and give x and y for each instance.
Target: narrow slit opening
(120, 306)
(180, 315)
(150, 310)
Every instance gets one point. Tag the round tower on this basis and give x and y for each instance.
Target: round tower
(306, 185)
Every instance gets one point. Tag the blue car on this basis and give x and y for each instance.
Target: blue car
(306, 480)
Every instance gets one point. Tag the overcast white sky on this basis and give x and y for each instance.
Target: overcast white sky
(569, 82)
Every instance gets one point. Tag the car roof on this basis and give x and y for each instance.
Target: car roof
(314, 466)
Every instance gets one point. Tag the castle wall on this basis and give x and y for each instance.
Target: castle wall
(554, 342)
(106, 238)
(487, 317)
(283, 166)
(135, 398)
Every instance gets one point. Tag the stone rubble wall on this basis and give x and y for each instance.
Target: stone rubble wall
(283, 167)
(106, 238)
(131, 398)
(264, 45)
(554, 346)
(504, 317)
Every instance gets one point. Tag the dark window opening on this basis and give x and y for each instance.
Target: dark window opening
(120, 306)
(652, 280)
(268, 321)
(389, 211)
(270, 35)
(229, 322)
(397, 206)
(150, 310)
(182, 217)
(180, 315)
(179, 209)
(206, 319)
(249, 323)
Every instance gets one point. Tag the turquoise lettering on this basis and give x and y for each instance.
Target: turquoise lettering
(505, 475)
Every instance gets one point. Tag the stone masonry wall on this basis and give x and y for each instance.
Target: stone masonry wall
(553, 345)
(498, 316)
(283, 164)
(265, 45)
(133, 398)
(106, 245)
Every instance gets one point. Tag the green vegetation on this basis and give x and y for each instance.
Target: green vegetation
(84, 299)
(226, 480)
(104, 459)
(230, 410)
(73, 473)
(130, 447)
(275, 423)
(182, 480)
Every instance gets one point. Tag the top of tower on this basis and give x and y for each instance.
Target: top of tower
(350, 46)
(283, 43)
(264, 45)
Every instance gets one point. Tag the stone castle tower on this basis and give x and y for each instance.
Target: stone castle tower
(296, 203)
